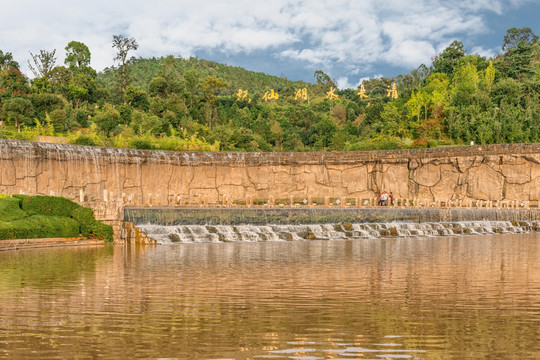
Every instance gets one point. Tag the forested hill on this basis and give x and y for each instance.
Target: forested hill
(142, 71)
(193, 104)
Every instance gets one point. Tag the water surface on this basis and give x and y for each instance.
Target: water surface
(473, 297)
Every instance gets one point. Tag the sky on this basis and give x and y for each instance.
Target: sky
(348, 40)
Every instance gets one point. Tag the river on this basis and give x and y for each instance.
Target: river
(454, 297)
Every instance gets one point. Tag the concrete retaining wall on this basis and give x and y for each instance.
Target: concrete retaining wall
(108, 179)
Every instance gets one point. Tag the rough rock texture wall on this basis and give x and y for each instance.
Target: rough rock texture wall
(107, 179)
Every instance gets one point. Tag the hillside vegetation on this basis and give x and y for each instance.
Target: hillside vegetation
(193, 104)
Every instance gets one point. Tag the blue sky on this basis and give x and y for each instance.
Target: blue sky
(349, 40)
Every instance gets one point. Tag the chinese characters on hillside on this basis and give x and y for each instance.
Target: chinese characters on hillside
(331, 94)
(302, 94)
(362, 92)
(271, 95)
(242, 95)
(391, 92)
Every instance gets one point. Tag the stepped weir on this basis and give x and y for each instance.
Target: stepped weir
(165, 225)
(492, 177)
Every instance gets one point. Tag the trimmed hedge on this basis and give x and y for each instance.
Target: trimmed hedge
(28, 217)
(39, 226)
(49, 205)
(10, 209)
(90, 227)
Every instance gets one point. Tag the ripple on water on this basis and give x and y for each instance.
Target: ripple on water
(417, 298)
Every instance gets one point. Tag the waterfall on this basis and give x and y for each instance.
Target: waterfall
(168, 234)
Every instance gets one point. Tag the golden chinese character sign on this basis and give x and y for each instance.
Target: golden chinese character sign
(241, 94)
(362, 92)
(301, 94)
(392, 92)
(330, 94)
(271, 96)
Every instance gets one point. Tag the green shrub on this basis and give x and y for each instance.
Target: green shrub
(84, 140)
(83, 215)
(420, 143)
(30, 217)
(49, 205)
(101, 231)
(90, 227)
(10, 209)
(6, 231)
(21, 197)
(39, 226)
(142, 144)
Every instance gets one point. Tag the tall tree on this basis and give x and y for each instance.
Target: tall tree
(515, 36)
(81, 77)
(123, 45)
(77, 55)
(447, 60)
(324, 80)
(489, 76)
(44, 62)
(7, 62)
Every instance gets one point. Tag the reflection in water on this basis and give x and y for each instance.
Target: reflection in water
(421, 298)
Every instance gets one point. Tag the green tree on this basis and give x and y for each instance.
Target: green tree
(516, 62)
(324, 82)
(392, 121)
(448, 58)
(18, 110)
(59, 79)
(515, 36)
(77, 55)
(78, 83)
(158, 87)
(125, 113)
(507, 91)
(82, 85)
(13, 83)
(107, 119)
(136, 97)
(144, 123)
(123, 46)
(489, 76)
(416, 103)
(7, 62)
(44, 62)
(466, 81)
(59, 119)
(45, 103)
(519, 47)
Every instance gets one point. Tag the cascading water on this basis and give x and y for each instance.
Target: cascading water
(231, 233)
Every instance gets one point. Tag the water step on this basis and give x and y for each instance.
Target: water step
(231, 233)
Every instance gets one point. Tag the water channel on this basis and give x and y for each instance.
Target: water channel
(449, 297)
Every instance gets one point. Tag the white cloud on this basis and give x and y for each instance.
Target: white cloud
(358, 35)
(343, 83)
(487, 53)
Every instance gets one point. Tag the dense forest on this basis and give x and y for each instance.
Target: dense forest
(192, 104)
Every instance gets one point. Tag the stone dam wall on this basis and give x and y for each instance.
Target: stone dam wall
(109, 179)
(298, 216)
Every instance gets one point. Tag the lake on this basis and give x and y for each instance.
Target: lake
(468, 297)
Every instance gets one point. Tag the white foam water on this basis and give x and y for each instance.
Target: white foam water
(232, 233)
